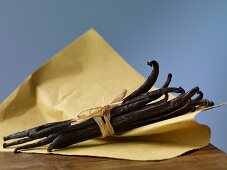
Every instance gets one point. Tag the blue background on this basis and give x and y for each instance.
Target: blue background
(187, 38)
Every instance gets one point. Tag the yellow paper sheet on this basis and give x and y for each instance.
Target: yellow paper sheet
(79, 77)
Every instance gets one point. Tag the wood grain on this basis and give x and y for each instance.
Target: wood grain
(203, 159)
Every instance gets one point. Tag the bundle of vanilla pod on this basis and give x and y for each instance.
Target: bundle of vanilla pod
(142, 107)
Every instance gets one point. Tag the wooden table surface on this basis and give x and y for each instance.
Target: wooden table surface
(206, 158)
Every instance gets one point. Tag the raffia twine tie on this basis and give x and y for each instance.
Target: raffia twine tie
(101, 115)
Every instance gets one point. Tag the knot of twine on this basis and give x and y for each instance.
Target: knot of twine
(101, 115)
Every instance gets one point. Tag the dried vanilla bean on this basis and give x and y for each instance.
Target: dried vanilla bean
(146, 86)
(75, 136)
(41, 142)
(168, 80)
(135, 111)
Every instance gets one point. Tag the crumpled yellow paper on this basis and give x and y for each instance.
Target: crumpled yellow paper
(79, 77)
